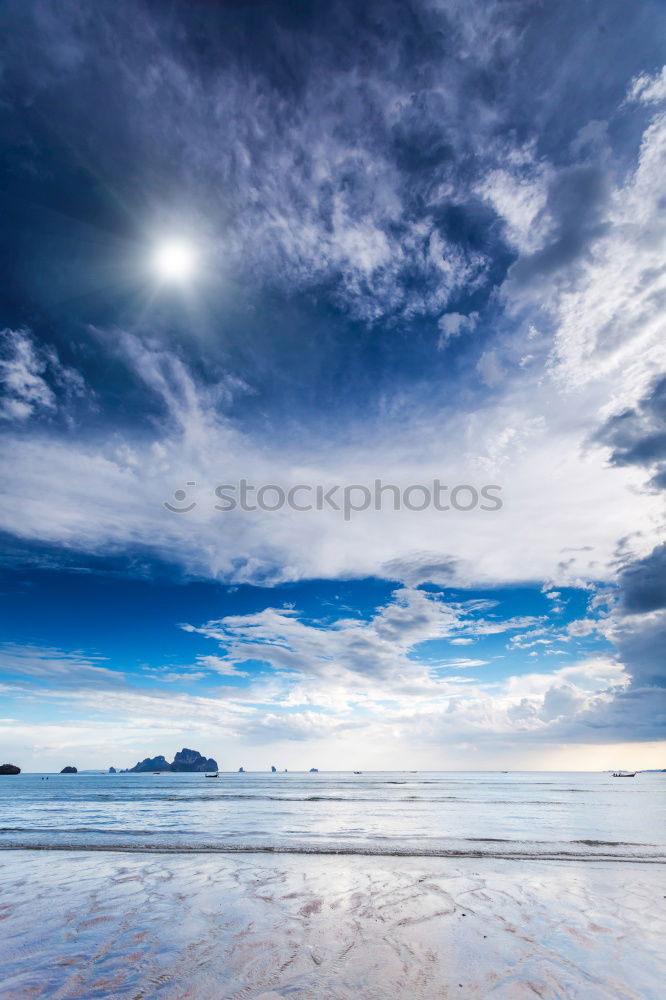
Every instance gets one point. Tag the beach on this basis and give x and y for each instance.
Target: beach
(333, 885)
(209, 926)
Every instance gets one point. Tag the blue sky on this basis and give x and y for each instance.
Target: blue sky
(426, 245)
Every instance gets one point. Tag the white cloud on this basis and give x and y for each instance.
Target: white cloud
(608, 320)
(490, 368)
(105, 493)
(518, 192)
(74, 669)
(350, 659)
(452, 325)
(31, 376)
(647, 88)
(219, 666)
(347, 679)
(584, 626)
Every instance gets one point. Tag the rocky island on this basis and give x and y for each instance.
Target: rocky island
(9, 769)
(70, 770)
(184, 761)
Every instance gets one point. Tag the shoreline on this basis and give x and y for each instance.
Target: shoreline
(570, 857)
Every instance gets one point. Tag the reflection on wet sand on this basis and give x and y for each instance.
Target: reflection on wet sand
(245, 926)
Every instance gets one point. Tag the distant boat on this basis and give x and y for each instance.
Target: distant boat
(216, 775)
(358, 772)
(624, 774)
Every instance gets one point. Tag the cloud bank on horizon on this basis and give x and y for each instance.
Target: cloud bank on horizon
(429, 245)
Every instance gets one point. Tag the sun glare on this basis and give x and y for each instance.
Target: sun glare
(174, 260)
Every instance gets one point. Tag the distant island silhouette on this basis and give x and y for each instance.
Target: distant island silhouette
(184, 761)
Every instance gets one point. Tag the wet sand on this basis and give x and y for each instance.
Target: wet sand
(243, 927)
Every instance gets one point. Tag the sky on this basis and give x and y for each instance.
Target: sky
(333, 383)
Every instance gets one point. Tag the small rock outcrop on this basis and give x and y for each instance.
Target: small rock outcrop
(9, 769)
(185, 761)
(273, 768)
(112, 770)
(70, 769)
(241, 770)
(314, 770)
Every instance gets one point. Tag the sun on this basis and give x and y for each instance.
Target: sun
(174, 260)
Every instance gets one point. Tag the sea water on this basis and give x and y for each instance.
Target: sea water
(591, 816)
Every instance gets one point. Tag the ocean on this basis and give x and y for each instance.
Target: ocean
(585, 816)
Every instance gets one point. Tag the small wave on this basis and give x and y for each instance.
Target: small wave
(235, 797)
(489, 840)
(217, 796)
(519, 853)
(611, 843)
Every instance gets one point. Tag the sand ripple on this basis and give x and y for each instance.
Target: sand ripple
(271, 928)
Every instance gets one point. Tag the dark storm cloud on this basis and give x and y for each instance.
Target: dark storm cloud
(639, 711)
(637, 436)
(642, 650)
(634, 715)
(422, 567)
(643, 583)
(576, 202)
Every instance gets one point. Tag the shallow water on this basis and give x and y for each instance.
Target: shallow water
(520, 814)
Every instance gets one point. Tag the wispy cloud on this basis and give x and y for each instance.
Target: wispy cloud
(32, 377)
